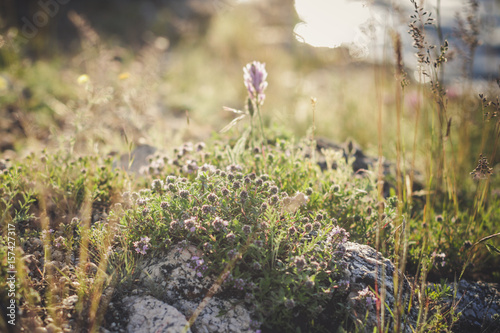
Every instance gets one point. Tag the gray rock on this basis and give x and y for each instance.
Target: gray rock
(367, 271)
(175, 284)
(147, 314)
(137, 160)
(479, 305)
(173, 280)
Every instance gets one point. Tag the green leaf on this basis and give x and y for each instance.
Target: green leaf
(492, 249)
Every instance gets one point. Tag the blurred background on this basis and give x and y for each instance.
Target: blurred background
(102, 76)
(158, 71)
(183, 59)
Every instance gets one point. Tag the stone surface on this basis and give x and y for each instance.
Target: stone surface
(147, 314)
(179, 292)
(172, 280)
(137, 160)
(479, 305)
(365, 273)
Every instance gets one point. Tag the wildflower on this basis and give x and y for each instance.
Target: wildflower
(172, 188)
(259, 182)
(231, 237)
(142, 245)
(439, 218)
(300, 263)
(254, 77)
(190, 224)
(164, 205)
(319, 217)
(206, 209)
(239, 284)
(273, 200)
(467, 244)
(234, 168)
(247, 180)
(83, 79)
(273, 190)
(184, 194)
(219, 224)
(142, 201)
(200, 146)
(316, 225)
(256, 150)
(292, 231)
(59, 241)
(225, 192)
(308, 227)
(344, 284)
(170, 179)
(212, 197)
(368, 296)
(236, 185)
(243, 195)
(335, 188)
(209, 168)
(230, 176)
(157, 185)
(145, 212)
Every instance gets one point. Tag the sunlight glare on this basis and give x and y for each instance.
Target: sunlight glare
(329, 23)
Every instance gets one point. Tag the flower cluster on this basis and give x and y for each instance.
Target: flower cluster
(254, 77)
(368, 296)
(142, 245)
(440, 258)
(198, 265)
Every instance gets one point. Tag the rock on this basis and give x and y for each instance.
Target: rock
(57, 256)
(479, 305)
(148, 314)
(173, 281)
(364, 273)
(137, 160)
(362, 163)
(179, 293)
(91, 268)
(70, 301)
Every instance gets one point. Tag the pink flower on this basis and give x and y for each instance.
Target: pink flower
(254, 77)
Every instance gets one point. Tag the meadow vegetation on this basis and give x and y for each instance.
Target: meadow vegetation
(252, 199)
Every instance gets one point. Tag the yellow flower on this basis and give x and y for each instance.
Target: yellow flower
(83, 79)
(124, 76)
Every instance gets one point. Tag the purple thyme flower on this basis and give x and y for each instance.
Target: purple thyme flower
(254, 76)
(142, 245)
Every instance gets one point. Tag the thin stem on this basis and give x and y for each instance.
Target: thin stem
(260, 119)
